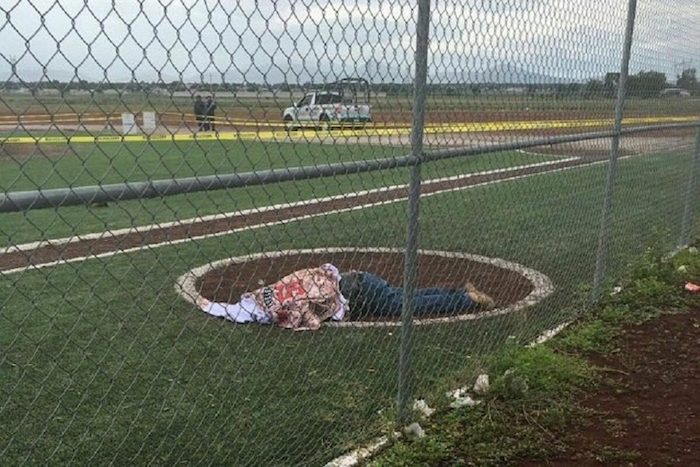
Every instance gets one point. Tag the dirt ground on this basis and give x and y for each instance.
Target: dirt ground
(648, 411)
(505, 287)
(22, 152)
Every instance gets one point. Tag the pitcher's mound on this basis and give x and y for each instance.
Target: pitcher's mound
(511, 285)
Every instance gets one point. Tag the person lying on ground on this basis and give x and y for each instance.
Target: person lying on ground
(304, 299)
(370, 295)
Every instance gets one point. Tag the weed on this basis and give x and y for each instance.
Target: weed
(593, 336)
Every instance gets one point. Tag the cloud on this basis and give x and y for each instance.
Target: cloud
(306, 40)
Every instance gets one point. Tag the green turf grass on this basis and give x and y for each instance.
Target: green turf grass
(104, 363)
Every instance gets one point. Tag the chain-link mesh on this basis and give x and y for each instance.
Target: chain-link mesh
(163, 159)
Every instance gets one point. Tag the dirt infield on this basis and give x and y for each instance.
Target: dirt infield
(505, 286)
(22, 152)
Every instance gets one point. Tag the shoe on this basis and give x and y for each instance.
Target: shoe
(480, 298)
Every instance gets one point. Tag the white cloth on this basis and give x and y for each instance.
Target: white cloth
(245, 311)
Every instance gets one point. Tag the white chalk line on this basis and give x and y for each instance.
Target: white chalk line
(373, 448)
(358, 455)
(651, 151)
(275, 207)
(532, 153)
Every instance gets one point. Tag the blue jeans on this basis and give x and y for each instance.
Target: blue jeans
(372, 295)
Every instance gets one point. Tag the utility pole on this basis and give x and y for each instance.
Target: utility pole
(681, 66)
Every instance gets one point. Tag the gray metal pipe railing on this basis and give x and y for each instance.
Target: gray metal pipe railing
(61, 197)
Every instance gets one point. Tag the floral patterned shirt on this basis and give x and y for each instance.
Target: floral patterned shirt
(304, 299)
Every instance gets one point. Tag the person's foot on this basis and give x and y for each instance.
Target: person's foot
(202, 302)
(480, 298)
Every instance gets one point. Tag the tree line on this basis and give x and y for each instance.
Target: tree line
(644, 84)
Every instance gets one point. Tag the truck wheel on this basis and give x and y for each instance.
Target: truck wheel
(325, 122)
(289, 123)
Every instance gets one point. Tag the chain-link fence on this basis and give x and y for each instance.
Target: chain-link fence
(163, 162)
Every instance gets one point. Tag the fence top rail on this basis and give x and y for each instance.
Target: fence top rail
(18, 201)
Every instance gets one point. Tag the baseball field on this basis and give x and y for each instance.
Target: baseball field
(105, 361)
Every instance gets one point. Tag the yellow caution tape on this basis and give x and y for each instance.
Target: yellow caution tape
(366, 131)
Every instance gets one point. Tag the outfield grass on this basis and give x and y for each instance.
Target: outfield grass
(106, 364)
(118, 163)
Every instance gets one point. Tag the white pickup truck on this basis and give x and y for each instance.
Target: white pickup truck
(324, 109)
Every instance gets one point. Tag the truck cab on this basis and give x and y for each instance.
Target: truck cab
(325, 108)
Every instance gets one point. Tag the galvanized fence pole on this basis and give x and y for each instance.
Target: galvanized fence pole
(411, 256)
(687, 221)
(614, 152)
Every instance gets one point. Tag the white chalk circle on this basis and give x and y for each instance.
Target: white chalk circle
(541, 284)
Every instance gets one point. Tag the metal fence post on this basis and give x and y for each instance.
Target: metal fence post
(687, 211)
(411, 256)
(614, 152)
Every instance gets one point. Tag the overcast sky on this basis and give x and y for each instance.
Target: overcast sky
(317, 40)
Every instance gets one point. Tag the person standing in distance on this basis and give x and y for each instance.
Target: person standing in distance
(210, 111)
(199, 112)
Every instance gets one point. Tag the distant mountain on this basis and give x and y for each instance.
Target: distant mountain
(504, 73)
